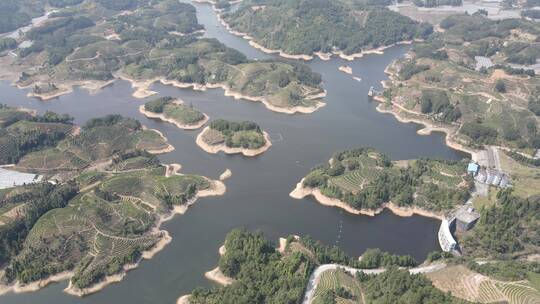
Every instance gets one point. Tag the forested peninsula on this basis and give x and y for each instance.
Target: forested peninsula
(324, 27)
(365, 181)
(94, 42)
(472, 80)
(99, 209)
(260, 271)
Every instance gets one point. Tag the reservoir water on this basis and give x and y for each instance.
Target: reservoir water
(258, 192)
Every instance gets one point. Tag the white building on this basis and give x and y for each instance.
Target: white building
(493, 177)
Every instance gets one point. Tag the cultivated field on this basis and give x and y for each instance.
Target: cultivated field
(465, 284)
(332, 280)
(109, 224)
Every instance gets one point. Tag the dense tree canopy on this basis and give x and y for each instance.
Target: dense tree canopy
(263, 275)
(307, 26)
(507, 228)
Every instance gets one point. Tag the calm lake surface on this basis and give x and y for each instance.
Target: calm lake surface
(258, 192)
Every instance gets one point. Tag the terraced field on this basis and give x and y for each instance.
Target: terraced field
(465, 284)
(22, 133)
(353, 181)
(104, 211)
(93, 144)
(333, 279)
(108, 224)
(472, 103)
(367, 179)
(367, 169)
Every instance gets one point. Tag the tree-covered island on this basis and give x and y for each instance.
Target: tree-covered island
(233, 137)
(174, 111)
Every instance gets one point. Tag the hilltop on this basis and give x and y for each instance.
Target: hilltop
(365, 181)
(100, 207)
(23, 132)
(301, 29)
(174, 111)
(302, 270)
(98, 140)
(234, 137)
(92, 43)
(472, 80)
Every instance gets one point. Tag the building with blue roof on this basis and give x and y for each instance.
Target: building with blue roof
(473, 169)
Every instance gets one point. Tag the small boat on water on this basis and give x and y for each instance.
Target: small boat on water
(370, 92)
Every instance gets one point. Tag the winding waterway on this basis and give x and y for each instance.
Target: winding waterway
(257, 193)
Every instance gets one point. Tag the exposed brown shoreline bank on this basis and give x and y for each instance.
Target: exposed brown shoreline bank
(162, 117)
(167, 149)
(217, 188)
(301, 192)
(428, 128)
(306, 57)
(214, 149)
(67, 87)
(143, 90)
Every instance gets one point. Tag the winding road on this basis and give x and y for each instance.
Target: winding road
(316, 275)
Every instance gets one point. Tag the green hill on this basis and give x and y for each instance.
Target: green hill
(365, 179)
(474, 80)
(21, 132)
(307, 26)
(99, 140)
(91, 44)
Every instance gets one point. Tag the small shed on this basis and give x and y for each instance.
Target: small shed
(473, 169)
(481, 176)
(466, 217)
(505, 182)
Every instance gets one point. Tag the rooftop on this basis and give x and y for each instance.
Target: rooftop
(473, 167)
(467, 214)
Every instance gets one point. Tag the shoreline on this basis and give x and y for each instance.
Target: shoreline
(225, 175)
(216, 275)
(18, 287)
(427, 128)
(216, 188)
(65, 88)
(301, 192)
(214, 149)
(306, 57)
(213, 275)
(167, 149)
(183, 299)
(143, 90)
(346, 69)
(172, 169)
(179, 125)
